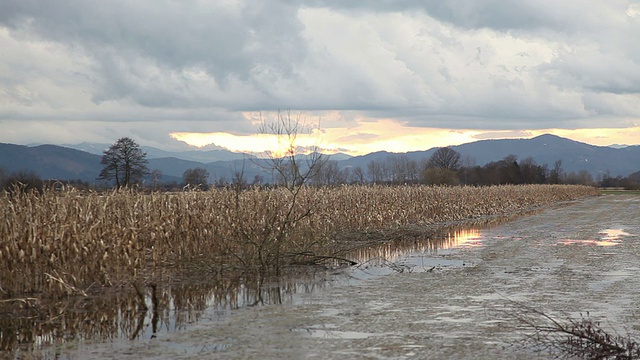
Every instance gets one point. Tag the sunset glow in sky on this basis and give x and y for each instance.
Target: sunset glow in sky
(394, 137)
(377, 75)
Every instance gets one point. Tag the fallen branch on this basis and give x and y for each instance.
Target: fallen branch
(141, 297)
(316, 259)
(582, 337)
(70, 288)
(26, 301)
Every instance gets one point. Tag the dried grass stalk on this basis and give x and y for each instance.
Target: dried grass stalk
(109, 239)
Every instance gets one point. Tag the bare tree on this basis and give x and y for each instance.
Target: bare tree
(23, 181)
(442, 167)
(239, 181)
(375, 171)
(156, 177)
(196, 178)
(220, 181)
(555, 176)
(124, 162)
(402, 169)
(296, 165)
(343, 175)
(445, 158)
(467, 168)
(257, 180)
(358, 175)
(327, 174)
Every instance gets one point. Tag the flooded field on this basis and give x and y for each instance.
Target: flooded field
(451, 298)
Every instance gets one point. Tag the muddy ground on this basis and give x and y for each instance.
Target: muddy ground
(435, 304)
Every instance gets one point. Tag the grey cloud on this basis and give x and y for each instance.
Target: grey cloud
(600, 72)
(453, 63)
(502, 134)
(567, 15)
(260, 37)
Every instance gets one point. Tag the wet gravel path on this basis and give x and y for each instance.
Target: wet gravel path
(555, 261)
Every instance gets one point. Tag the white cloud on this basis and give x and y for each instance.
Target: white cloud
(197, 65)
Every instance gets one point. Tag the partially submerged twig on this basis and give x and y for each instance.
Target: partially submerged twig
(582, 337)
(70, 288)
(316, 259)
(395, 266)
(141, 297)
(26, 301)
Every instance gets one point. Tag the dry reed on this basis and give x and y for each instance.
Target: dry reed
(61, 243)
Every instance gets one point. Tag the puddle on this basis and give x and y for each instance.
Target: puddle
(607, 237)
(603, 243)
(448, 314)
(394, 250)
(120, 317)
(465, 238)
(79, 321)
(413, 256)
(613, 234)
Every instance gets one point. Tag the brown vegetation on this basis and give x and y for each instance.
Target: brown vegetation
(61, 243)
(584, 338)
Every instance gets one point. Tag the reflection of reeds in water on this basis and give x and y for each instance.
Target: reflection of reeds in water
(395, 250)
(427, 240)
(392, 251)
(67, 246)
(100, 317)
(463, 237)
(121, 316)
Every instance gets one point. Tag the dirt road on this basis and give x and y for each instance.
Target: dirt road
(566, 260)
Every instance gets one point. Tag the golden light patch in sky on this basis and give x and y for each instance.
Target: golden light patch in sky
(394, 136)
(365, 138)
(256, 144)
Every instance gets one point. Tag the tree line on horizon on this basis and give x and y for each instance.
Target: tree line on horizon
(125, 165)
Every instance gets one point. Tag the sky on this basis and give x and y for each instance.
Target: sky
(362, 76)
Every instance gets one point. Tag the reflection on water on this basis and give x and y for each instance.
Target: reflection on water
(452, 238)
(607, 237)
(603, 243)
(613, 234)
(39, 328)
(45, 327)
(463, 237)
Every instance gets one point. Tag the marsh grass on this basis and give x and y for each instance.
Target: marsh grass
(56, 243)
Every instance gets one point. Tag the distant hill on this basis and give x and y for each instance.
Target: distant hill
(547, 149)
(50, 161)
(203, 156)
(544, 149)
(58, 162)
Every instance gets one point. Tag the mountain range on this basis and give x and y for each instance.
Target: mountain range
(82, 161)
